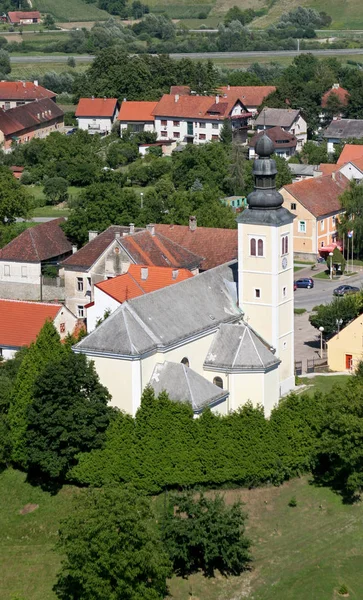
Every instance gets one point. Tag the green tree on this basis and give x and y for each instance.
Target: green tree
(314, 154)
(56, 189)
(71, 62)
(352, 219)
(68, 415)
(345, 309)
(49, 22)
(203, 533)
(112, 548)
(5, 66)
(226, 135)
(14, 199)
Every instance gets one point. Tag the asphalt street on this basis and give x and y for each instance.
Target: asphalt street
(322, 292)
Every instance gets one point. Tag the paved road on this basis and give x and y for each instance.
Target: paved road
(322, 292)
(193, 55)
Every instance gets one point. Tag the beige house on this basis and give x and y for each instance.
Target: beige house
(316, 205)
(345, 349)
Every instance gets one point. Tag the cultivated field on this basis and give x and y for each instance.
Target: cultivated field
(71, 10)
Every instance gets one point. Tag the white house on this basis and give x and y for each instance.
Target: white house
(288, 119)
(97, 115)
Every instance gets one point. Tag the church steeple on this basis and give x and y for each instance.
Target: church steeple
(265, 196)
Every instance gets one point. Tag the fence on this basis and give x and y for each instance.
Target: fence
(313, 365)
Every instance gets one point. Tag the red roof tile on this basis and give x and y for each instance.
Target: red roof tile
(182, 90)
(349, 153)
(23, 90)
(38, 243)
(250, 95)
(16, 15)
(218, 246)
(191, 107)
(96, 107)
(319, 195)
(328, 168)
(136, 111)
(29, 116)
(131, 284)
(20, 322)
(341, 93)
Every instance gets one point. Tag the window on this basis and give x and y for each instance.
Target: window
(284, 244)
(333, 220)
(24, 271)
(202, 136)
(260, 247)
(185, 361)
(79, 284)
(215, 138)
(322, 225)
(257, 293)
(293, 206)
(202, 125)
(218, 382)
(62, 328)
(284, 292)
(176, 123)
(215, 125)
(7, 270)
(302, 226)
(80, 311)
(322, 245)
(176, 134)
(253, 247)
(163, 134)
(7, 105)
(163, 122)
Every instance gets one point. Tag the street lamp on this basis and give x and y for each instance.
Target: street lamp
(339, 323)
(321, 329)
(331, 265)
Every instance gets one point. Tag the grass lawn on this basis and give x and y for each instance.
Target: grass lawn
(50, 211)
(71, 10)
(324, 383)
(297, 269)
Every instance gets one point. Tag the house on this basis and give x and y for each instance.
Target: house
(350, 153)
(97, 115)
(231, 326)
(17, 171)
(236, 203)
(301, 171)
(199, 119)
(32, 120)
(136, 116)
(316, 204)
(111, 253)
(352, 169)
(335, 97)
(284, 142)
(21, 322)
(139, 279)
(19, 17)
(288, 119)
(341, 130)
(17, 93)
(216, 245)
(252, 96)
(345, 349)
(24, 258)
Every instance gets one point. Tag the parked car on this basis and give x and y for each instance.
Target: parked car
(342, 290)
(306, 282)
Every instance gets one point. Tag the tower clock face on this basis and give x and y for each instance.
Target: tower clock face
(284, 262)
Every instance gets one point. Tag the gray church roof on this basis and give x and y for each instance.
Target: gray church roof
(239, 348)
(183, 384)
(168, 316)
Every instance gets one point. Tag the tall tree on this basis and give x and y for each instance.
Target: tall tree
(226, 134)
(14, 199)
(352, 219)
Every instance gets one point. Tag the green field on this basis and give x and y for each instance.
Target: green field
(32, 70)
(301, 553)
(71, 10)
(323, 383)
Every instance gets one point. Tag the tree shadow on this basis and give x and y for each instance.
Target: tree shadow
(44, 483)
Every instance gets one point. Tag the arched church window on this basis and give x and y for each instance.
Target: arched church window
(284, 244)
(218, 382)
(260, 247)
(185, 361)
(253, 247)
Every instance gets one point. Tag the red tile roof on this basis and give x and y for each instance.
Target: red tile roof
(131, 284)
(38, 243)
(16, 15)
(280, 138)
(349, 153)
(29, 116)
(20, 322)
(250, 95)
(341, 93)
(142, 247)
(182, 90)
(218, 246)
(328, 168)
(319, 195)
(358, 162)
(24, 90)
(136, 111)
(96, 107)
(194, 107)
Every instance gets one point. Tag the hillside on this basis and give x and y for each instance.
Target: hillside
(71, 10)
(308, 551)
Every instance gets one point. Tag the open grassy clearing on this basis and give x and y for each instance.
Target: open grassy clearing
(323, 383)
(71, 10)
(300, 553)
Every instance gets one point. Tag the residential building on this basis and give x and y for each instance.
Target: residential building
(21, 322)
(136, 116)
(252, 96)
(97, 115)
(19, 17)
(341, 130)
(111, 253)
(32, 120)
(350, 153)
(301, 171)
(17, 93)
(199, 119)
(284, 142)
(17, 171)
(139, 280)
(316, 205)
(352, 169)
(218, 246)
(230, 327)
(339, 95)
(288, 119)
(236, 203)
(345, 349)
(24, 258)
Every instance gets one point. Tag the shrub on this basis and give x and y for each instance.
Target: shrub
(292, 502)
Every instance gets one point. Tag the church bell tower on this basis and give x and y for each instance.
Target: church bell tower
(266, 264)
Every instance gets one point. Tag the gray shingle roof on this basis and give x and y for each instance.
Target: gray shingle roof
(277, 117)
(183, 384)
(344, 129)
(166, 317)
(238, 348)
(302, 170)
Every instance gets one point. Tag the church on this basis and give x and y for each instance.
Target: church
(221, 338)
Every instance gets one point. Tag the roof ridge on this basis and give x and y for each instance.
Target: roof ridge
(136, 246)
(137, 283)
(132, 345)
(33, 302)
(140, 322)
(255, 347)
(184, 367)
(33, 242)
(239, 346)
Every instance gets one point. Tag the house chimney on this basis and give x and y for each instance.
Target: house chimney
(144, 273)
(176, 97)
(335, 86)
(74, 249)
(36, 82)
(92, 235)
(175, 274)
(192, 223)
(333, 176)
(117, 235)
(93, 97)
(217, 99)
(151, 228)
(228, 87)
(132, 228)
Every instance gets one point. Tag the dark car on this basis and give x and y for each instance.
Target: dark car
(342, 290)
(306, 282)
(71, 131)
